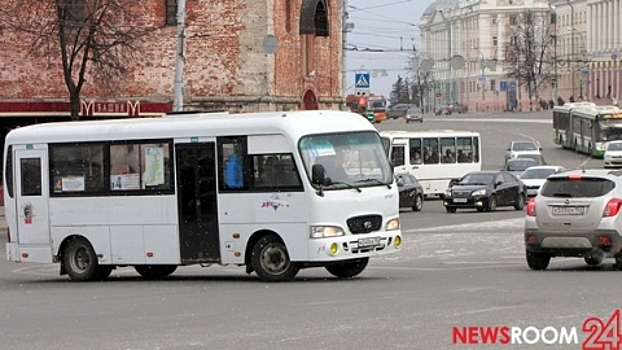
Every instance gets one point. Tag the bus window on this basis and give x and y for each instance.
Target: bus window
(31, 176)
(465, 148)
(140, 166)
(8, 171)
(397, 156)
(275, 171)
(77, 168)
(430, 151)
(448, 149)
(232, 153)
(415, 151)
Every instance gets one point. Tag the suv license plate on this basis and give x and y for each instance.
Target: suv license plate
(369, 242)
(568, 210)
(460, 200)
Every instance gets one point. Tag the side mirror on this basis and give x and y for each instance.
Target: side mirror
(317, 174)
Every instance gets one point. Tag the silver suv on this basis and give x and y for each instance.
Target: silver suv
(575, 214)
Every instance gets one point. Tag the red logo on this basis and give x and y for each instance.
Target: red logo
(602, 335)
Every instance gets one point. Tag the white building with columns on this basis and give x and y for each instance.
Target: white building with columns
(471, 43)
(604, 50)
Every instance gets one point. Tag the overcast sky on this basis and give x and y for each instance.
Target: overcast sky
(387, 25)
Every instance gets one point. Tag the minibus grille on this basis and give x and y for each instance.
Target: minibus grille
(364, 224)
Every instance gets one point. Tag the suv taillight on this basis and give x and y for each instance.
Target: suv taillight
(613, 207)
(531, 207)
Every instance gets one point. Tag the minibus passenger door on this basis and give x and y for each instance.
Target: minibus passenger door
(196, 195)
(31, 197)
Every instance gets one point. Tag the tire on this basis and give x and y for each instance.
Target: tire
(537, 261)
(492, 203)
(80, 261)
(450, 209)
(418, 203)
(421, 120)
(521, 202)
(594, 260)
(481, 210)
(154, 272)
(270, 260)
(348, 269)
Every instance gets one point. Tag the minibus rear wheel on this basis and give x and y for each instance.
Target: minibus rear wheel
(271, 261)
(80, 261)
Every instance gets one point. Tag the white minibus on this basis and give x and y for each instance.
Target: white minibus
(274, 192)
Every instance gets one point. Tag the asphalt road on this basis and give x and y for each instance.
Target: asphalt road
(455, 271)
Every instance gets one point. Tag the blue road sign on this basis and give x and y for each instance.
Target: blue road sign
(361, 80)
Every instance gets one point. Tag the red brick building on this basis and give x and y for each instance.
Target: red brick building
(226, 65)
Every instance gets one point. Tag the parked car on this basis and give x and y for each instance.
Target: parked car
(413, 114)
(411, 191)
(575, 214)
(397, 111)
(613, 154)
(518, 148)
(533, 177)
(486, 191)
(516, 166)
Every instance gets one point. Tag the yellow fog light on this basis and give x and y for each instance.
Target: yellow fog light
(397, 242)
(334, 249)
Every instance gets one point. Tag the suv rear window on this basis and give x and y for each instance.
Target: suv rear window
(584, 187)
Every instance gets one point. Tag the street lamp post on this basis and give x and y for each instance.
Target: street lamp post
(482, 64)
(571, 58)
(553, 21)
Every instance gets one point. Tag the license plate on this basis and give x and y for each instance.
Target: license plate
(369, 242)
(568, 210)
(460, 200)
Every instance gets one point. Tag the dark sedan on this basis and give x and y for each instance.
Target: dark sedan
(411, 192)
(485, 191)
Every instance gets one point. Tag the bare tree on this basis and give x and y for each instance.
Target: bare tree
(89, 37)
(531, 53)
(420, 80)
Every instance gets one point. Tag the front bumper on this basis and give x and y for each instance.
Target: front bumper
(466, 202)
(349, 247)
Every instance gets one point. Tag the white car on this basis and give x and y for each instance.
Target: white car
(613, 154)
(535, 176)
(518, 148)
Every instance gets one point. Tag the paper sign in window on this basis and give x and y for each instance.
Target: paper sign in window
(154, 166)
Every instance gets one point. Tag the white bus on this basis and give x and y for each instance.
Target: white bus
(158, 193)
(434, 157)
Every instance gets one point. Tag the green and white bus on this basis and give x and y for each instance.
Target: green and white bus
(585, 127)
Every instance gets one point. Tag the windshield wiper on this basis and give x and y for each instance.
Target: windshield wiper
(344, 183)
(376, 181)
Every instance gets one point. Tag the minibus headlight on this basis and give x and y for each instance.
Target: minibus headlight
(392, 225)
(325, 231)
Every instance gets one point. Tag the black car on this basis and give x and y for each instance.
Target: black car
(485, 191)
(411, 191)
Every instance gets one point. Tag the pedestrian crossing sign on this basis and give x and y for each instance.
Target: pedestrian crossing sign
(361, 80)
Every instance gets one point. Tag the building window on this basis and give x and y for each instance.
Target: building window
(494, 40)
(513, 20)
(493, 85)
(171, 12)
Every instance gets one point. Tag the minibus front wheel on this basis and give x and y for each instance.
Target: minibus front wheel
(271, 261)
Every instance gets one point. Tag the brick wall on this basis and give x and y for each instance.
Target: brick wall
(225, 64)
